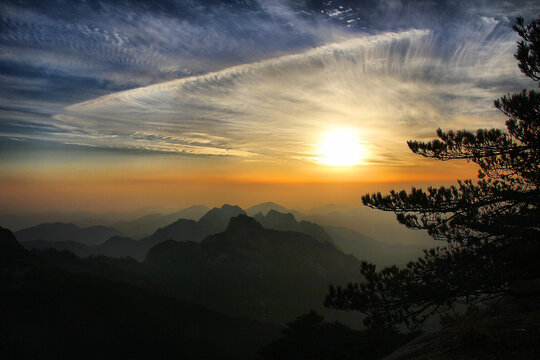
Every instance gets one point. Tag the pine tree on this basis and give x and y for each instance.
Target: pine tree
(491, 227)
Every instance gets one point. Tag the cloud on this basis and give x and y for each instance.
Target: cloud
(62, 53)
(387, 88)
(236, 89)
(144, 44)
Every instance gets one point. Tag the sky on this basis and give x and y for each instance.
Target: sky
(114, 105)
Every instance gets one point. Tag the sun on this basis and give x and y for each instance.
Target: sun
(340, 148)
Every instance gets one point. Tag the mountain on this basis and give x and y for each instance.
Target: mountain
(251, 271)
(116, 246)
(14, 222)
(148, 224)
(483, 332)
(212, 222)
(67, 232)
(137, 223)
(309, 337)
(348, 241)
(79, 218)
(264, 208)
(379, 225)
(76, 248)
(194, 212)
(365, 248)
(217, 219)
(9, 246)
(50, 311)
(287, 222)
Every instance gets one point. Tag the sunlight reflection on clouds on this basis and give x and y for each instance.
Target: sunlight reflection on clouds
(390, 87)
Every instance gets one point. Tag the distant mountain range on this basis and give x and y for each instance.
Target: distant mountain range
(228, 257)
(266, 207)
(214, 221)
(142, 223)
(148, 224)
(376, 224)
(52, 232)
(116, 246)
(287, 222)
(365, 248)
(269, 267)
(137, 224)
(106, 241)
(251, 271)
(349, 241)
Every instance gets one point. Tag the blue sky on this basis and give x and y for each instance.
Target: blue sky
(57, 53)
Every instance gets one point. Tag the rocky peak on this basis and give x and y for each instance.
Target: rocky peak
(8, 243)
(243, 223)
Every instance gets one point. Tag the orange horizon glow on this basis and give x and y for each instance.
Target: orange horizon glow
(128, 186)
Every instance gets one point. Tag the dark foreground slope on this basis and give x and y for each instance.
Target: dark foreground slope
(506, 330)
(48, 312)
(251, 271)
(309, 337)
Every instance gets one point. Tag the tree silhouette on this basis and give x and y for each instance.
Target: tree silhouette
(309, 337)
(491, 227)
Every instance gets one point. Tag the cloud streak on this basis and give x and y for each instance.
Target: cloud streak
(387, 88)
(260, 80)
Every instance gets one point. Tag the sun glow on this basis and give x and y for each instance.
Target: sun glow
(340, 148)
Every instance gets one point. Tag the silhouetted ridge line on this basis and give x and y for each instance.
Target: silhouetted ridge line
(287, 222)
(92, 235)
(213, 222)
(9, 244)
(251, 271)
(243, 223)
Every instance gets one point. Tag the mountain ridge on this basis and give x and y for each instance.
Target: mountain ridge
(251, 271)
(92, 235)
(81, 315)
(286, 221)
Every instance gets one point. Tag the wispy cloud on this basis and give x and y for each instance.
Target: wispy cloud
(62, 53)
(131, 43)
(387, 88)
(218, 77)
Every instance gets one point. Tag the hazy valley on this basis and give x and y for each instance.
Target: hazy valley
(268, 267)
